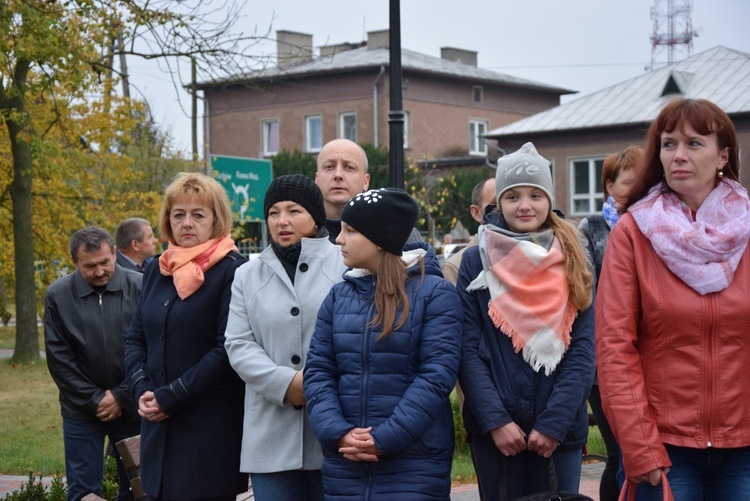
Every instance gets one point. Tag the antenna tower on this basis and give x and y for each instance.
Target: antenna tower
(673, 28)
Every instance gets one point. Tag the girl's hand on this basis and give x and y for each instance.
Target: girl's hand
(358, 445)
(509, 439)
(542, 444)
(149, 408)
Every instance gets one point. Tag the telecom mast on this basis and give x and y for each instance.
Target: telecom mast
(673, 29)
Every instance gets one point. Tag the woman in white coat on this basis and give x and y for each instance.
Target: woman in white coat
(275, 302)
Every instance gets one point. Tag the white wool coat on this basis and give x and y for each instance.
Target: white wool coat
(271, 322)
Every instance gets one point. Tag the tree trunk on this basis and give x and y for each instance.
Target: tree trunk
(27, 339)
(19, 129)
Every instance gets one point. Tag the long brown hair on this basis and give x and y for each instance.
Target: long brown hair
(703, 116)
(577, 268)
(390, 293)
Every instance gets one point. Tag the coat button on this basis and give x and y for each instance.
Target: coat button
(295, 359)
(303, 267)
(294, 311)
(166, 303)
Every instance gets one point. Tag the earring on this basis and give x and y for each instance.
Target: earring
(721, 173)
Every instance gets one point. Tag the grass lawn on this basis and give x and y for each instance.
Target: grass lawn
(30, 422)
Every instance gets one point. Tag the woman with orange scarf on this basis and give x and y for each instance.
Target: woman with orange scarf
(190, 399)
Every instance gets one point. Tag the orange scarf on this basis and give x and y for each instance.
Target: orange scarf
(187, 264)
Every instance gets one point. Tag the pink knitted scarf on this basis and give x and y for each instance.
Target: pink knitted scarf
(703, 253)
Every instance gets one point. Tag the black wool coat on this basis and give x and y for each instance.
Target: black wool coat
(175, 348)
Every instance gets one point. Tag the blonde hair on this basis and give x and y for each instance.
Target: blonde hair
(577, 264)
(390, 293)
(200, 187)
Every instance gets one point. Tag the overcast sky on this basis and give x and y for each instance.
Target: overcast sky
(581, 45)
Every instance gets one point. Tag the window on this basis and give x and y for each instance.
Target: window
(477, 94)
(270, 137)
(477, 128)
(348, 125)
(407, 120)
(586, 186)
(313, 133)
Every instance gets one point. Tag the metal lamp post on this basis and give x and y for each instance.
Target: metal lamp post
(396, 113)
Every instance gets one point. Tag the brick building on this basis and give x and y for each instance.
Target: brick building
(314, 95)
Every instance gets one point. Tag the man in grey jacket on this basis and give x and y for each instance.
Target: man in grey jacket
(86, 317)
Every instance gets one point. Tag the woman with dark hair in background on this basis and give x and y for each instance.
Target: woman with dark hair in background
(672, 312)
(618, 175)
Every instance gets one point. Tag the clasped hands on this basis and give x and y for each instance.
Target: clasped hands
(358, 445)
(510, 440)
(149, 408)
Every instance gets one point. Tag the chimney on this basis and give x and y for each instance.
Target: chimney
(467, 57)
(293, 48)
(378, 39)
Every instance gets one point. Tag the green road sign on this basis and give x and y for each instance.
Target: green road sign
(246, 181)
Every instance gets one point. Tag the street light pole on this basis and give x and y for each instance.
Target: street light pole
(396, 113)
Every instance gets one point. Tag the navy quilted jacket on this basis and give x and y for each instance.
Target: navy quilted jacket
(399, 385)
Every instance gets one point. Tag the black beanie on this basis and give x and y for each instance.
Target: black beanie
(298, 189)
(386, 217)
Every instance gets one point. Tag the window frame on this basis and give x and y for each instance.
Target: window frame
(309, 147)
(473, 124)
(593, 197)
(477, 90)
(342, 128)
(265, 133)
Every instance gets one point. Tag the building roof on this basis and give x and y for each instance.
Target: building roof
(366, 58)
(720, 75)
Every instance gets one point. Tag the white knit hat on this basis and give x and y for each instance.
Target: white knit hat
(524, 167)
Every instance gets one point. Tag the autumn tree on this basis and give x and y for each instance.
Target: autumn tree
(67, 159)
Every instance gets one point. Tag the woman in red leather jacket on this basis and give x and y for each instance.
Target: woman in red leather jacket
(672, 332)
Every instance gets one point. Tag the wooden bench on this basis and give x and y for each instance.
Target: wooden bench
(130, 454)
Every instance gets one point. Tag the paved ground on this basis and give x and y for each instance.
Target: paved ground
(9, 353)
(466, 492)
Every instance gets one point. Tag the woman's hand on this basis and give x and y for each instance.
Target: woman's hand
(295, 393)
(358, 445)
(653, 477)
(149, 408)
(542, 444)
(509, 439)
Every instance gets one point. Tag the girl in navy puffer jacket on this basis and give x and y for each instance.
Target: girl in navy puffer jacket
(383, 360)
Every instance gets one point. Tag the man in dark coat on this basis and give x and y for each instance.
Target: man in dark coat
(136, 243)
(86, 317)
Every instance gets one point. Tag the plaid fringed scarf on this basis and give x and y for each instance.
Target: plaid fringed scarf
(529, 296)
